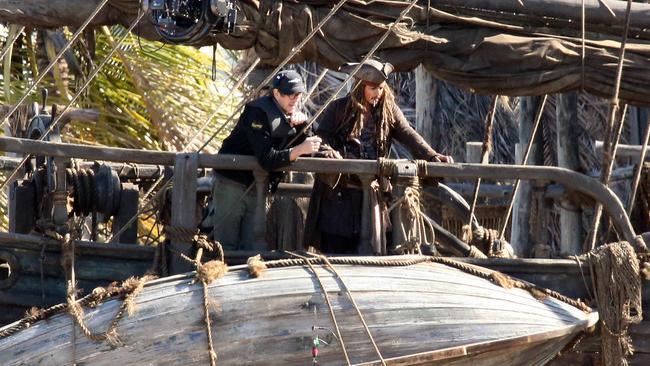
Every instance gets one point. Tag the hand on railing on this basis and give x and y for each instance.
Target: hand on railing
(307, 147)
(443, 159)
(327, 152)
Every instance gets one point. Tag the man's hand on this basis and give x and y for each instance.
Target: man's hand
(331, 154)
(297, 118)
(446, 159)
(307, 147)
(442, 159)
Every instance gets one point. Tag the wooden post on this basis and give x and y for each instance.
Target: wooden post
(520, 232)
(568, 157)
(473, 151)
(260, 211)
(425, 106)
(183, 209)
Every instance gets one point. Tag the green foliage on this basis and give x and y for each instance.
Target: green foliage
(149, 95)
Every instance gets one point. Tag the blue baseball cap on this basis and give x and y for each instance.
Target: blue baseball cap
(288, 82)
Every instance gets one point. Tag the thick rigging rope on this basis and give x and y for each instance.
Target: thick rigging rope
(55, 61)
(524, 161)
(609, 156)
(485, 157)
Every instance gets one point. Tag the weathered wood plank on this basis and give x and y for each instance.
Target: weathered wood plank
(566, 111)
(183, 210)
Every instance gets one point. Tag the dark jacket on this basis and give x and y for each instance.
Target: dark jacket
(262, 131)
(339, 210)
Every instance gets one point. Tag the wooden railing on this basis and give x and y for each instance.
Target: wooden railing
(573, 181)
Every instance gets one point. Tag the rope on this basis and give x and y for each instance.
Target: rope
(90, 300)
(609, 156)
(618, 294)
(485, 153)
(638, 170)
(75, 308)
(582, 48)
(207, 273)
(410, 205)
(256, 266)
(524, 160)
(356, 307)
(475, 252)
(308, 262)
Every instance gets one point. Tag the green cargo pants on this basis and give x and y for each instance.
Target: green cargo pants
(234, 214)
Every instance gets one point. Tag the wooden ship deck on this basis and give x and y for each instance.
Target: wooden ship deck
(456, 311)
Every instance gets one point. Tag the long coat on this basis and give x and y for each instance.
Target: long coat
(340, 209)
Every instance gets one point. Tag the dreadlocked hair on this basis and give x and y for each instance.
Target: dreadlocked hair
(383, 114)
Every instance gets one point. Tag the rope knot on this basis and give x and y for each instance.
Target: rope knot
(211, 271)
(256, 266)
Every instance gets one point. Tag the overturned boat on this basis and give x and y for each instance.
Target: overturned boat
(406, 310)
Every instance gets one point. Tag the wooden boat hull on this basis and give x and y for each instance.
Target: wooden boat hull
(421, 314)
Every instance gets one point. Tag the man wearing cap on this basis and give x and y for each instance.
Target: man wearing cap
(265, 130)
(361, 125)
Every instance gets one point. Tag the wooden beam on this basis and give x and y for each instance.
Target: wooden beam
(600, 16)
(183, 210)
(520, 233)
(623, 150)
(72, 114)
(36, 243)
(572, 180)
(426, 90)
(568, 156)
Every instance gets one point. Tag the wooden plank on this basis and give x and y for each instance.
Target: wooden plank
(426, 90)
(520, 235)
(183, 209)
(566, 110)
(35, 243)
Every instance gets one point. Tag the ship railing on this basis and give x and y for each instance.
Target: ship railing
(186, 164)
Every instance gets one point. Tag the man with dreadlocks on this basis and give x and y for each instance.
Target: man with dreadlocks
(361, 125)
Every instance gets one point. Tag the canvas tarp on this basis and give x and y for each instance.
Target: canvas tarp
(478, 54)
(482, 56)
